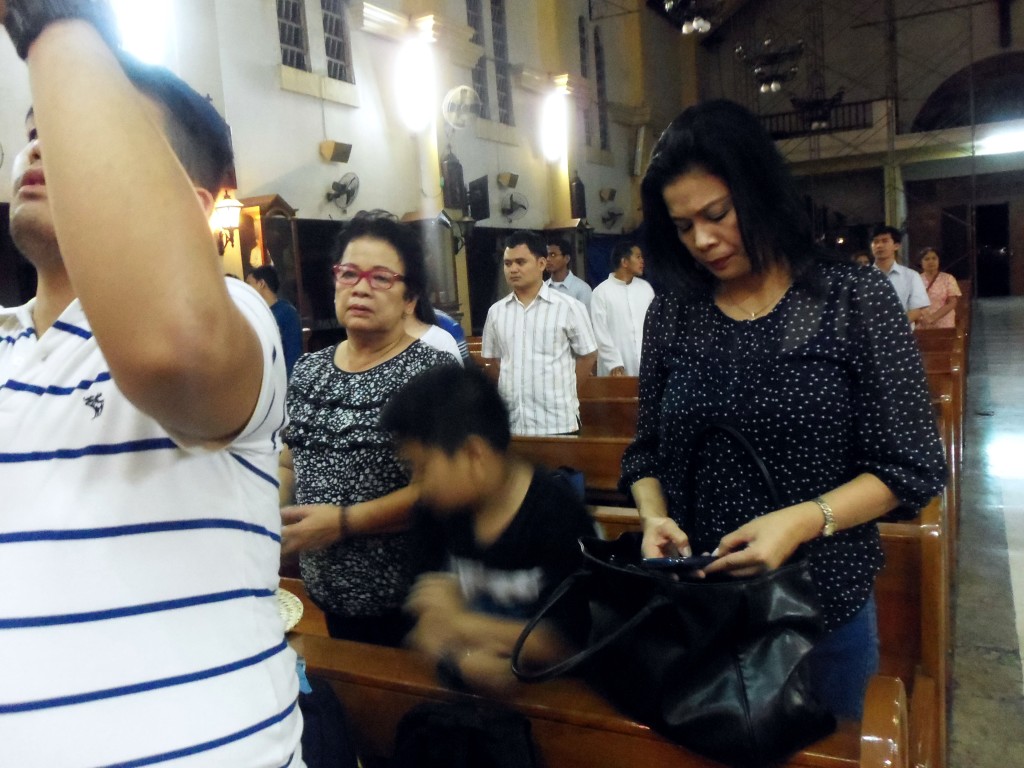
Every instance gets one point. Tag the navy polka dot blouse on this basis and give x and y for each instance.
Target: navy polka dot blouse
(826, 386)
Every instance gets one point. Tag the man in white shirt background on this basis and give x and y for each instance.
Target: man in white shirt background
(885, 246)
(617, 310)
(562, 279)
(538, 340)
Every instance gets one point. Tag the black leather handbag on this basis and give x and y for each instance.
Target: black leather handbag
(713, 664)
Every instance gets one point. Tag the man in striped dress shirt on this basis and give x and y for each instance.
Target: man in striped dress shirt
(141, 397)
(539, 341)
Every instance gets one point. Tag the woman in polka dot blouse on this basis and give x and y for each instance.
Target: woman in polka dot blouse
(811, 357)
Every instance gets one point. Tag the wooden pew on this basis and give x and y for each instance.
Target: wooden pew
(608, 416)
(598, 458)
(597, 387)
(572, 727)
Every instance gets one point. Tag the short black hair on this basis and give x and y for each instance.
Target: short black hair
(384, 226)
(533, 242)
(621, 252)
(726, 140)
(268, 275)
(563, 245)
(445, 406)
(885, 229)
(195, 130)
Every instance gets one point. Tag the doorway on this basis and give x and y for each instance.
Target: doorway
(992, 227)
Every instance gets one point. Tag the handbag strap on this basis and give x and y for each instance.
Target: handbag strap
(740, 439)
(571, 663)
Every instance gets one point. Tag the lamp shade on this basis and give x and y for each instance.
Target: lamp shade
(226, 214)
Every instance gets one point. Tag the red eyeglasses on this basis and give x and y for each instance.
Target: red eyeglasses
(378, 278)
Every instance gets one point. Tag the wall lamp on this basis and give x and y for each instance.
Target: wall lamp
(606, 194)
(224, 221)
(508, 180)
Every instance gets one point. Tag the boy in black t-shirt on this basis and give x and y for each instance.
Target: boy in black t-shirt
(506, 533)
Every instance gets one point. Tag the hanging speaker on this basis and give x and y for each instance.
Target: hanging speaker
(335, 151)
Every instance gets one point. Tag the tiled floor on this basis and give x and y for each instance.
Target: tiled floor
(987, 727)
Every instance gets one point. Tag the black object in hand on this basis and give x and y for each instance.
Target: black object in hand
(26, 19)
(694, 563)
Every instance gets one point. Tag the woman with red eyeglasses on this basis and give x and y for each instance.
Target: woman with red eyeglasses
(345, 495)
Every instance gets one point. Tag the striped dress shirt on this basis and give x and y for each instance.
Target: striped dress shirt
(138, 621)
(536, 345)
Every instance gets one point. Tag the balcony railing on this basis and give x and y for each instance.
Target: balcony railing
(854, 116)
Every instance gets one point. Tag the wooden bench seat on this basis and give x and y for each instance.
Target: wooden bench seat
(572, 726)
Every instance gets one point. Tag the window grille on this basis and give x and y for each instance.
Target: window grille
(475, 19)
(291, 32)
(339, 51)
(584, 47)
(480, 86)
(502, 68)
(602, 91)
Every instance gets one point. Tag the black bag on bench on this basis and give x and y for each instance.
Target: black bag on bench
(713, 664)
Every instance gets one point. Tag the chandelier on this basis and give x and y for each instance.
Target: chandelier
(771, 64)
(693, 16)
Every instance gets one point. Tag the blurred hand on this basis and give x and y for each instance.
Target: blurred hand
(664, 538)
(435, 592)
(618, 371)
(308, 526)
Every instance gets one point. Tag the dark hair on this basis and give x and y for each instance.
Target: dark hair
(443, 406)
(621, 252)
(533, 242)
(196, 132)
(862, 252)
(726, 140)
(268, 275)
(885, 229)
(928, 249)
(563, 245)
(381, 225)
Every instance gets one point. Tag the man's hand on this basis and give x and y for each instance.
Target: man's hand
(309, 526)
(619, 370)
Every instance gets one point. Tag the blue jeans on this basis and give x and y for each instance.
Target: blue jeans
(844, 660)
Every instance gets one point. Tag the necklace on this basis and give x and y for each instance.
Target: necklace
(754, 315)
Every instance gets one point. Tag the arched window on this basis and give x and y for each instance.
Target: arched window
(291, 32)
(336, 41)
(602, 91)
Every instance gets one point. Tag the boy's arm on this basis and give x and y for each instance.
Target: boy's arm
(477, 647)
(136, 243)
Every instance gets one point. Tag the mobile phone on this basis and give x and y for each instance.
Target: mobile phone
(694, 563)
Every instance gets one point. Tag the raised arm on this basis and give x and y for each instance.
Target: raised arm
(132, 230)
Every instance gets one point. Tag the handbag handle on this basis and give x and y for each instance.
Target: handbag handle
(749, 449)
(567, 665)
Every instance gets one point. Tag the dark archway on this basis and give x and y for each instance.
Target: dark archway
(998, 95)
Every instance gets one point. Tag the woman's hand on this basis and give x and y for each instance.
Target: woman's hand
(766, 542)
(663, 538)
(309, 526)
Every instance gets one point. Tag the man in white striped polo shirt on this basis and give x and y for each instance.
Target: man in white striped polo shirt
(141, 399)
(540, 341)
